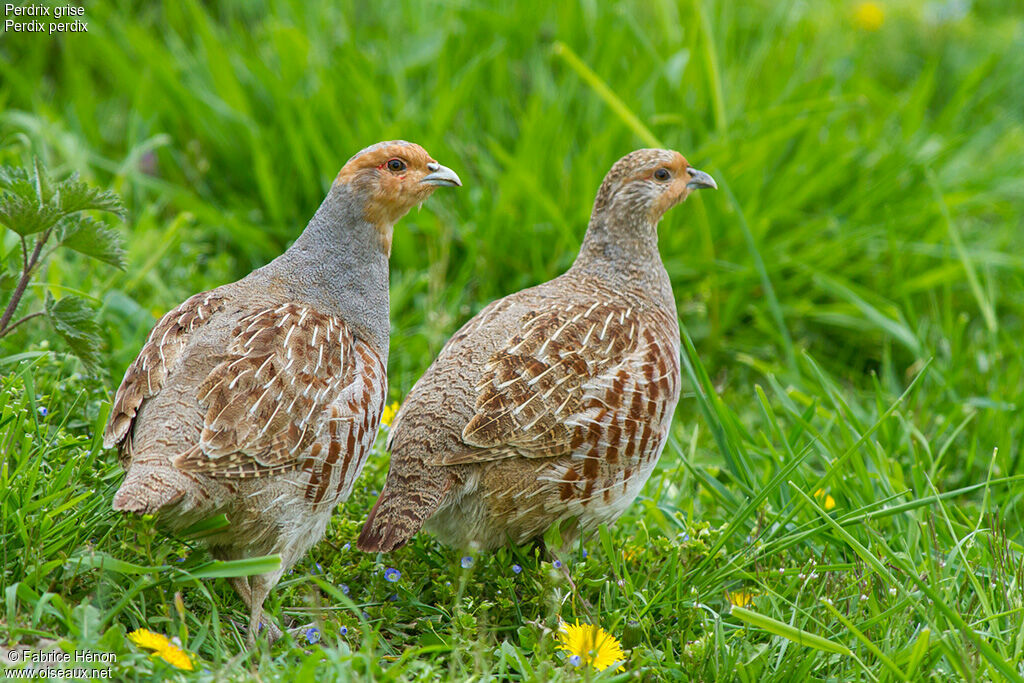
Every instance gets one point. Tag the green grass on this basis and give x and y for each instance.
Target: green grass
(851, 300)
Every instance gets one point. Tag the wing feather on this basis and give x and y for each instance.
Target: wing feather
(570, 376)
(265, 402)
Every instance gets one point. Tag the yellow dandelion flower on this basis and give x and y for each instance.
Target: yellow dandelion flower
(740, 598)
(148, 640)
(827, 501)
(162, 647)
(590, 644)
(175, 656)
(868, 16)
(389, 414)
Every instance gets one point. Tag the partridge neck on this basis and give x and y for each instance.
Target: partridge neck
(339, 265)
(622, 248)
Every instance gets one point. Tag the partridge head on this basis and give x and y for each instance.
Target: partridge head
(393, 177)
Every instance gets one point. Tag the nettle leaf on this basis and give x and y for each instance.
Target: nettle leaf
(12, 175)
(25, 215)
(74, 195)
(74, 320)
(22, 187)
(89, 236)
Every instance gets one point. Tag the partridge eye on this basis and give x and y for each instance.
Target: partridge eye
(662, 174)
(396, 165)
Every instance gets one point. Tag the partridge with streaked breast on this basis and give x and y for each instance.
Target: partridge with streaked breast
(554, 402)
(261, 399)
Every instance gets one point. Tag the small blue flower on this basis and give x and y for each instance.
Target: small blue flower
(393, 597)
(584, 553)
(467, 562)
(685, 537)
(312, 635)
(516, 568)
(346, 546)
(344, 589)
(344, 630)
(575, 660)
(557, 564)
(366, 615)
(319, 569)
(391, 574)
(180, 559)
(43, 411)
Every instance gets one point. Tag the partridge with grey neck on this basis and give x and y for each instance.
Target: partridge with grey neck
(554, 402)
(260, 399)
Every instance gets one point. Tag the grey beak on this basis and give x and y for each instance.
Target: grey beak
(700, 180)
(441, 176)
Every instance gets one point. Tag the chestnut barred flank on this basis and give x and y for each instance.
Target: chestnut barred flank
(265, 401)
(568, 380)
(337, 458)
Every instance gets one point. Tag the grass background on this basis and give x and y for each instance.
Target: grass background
(852, 300)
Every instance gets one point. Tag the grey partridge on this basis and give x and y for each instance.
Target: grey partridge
(260, 399)
(554, 402)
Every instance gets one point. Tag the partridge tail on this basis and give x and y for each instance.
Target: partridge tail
(149, 488)
(404, 505)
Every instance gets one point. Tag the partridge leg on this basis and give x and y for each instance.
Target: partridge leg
(241, 586)
(260, 586)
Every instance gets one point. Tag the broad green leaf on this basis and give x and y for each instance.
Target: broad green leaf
(22, 187)
(101, 560)
(88, 236)
(25, 215)
(246, 567)
(74, 321)
(553, 536)
(75, 195)
(779, 628)
(12, 176)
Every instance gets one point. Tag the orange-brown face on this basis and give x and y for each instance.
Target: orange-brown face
(651, 181)
(674, 179)
(671, 179)
(394, 177)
